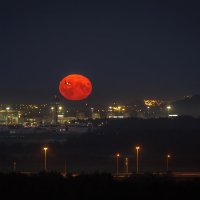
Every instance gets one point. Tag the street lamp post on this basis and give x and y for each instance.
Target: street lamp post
(126, 165)
(168, 109)
(45, 158)
(7, 111)
(137, 151)
(117, 162)
(168, 157)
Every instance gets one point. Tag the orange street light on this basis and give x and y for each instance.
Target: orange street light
(45, 158)
(117, 162)
(168, 157)
(137, 151)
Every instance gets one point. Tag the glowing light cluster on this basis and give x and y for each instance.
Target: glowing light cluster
(117, 108)
(152, 102)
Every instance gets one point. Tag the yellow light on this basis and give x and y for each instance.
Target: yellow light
(45, 148)
(137, 148)
(52, 108)
(169, 107)
(60, 108)
(152, 102)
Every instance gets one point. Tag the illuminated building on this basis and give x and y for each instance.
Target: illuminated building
(96, 115)
(57, 111)
(9, 116)
(117, 111)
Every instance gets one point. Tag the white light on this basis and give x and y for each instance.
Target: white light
(60, 108)
(116, 116)
(174, 115)
(168, 107)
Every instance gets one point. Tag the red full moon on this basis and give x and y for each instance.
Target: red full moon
(75, 87)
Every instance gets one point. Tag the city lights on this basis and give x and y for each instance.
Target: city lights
(52, 108)
(60, 108)
(8, 108)
(169, 107)
(152, 102)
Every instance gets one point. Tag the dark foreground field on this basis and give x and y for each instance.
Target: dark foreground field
(95, 186)
(95, 151)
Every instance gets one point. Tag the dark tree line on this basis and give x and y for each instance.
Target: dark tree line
(95, 186)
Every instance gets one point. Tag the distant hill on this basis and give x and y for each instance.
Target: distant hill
(187, 106)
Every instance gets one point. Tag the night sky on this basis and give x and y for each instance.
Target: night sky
(128, 50)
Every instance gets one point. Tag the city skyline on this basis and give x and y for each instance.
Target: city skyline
(128, 50)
